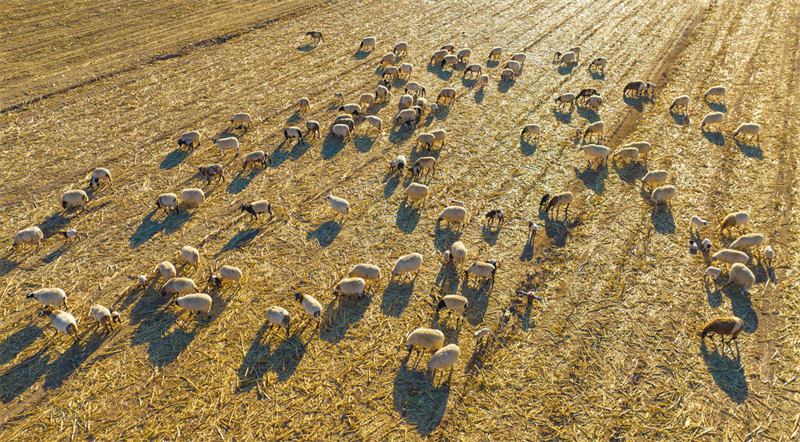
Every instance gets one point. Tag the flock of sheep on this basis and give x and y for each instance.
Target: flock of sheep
(412, 106)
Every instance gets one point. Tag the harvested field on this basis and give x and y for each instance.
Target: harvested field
(611, 353)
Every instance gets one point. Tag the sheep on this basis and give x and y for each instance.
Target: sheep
(458, 203)
(424, 338)
(29, 235)
(425, 139)
(293, 132)
(457, 253)
(405, 102)
(681, 102)
(556, 57)
(191, 139)
(769, 254)
(745, 242)
(642, 146)
(316, 36)
(567, 59)
(627, 153)
(566, 98)
(50, 296)
(484, 270)
(453, 303)
(723, 327)
(278, 316)
(449, 60)
(736, 219)
(214, 170)
(520, 57)
(692, 247)
(258, 156)
(225, 144)
(742, 276)
(345, 119)
(390, 73)
(663, 194)
(398, 164)
(482, 335)
(407, 117)
(495, 53)
(375, 122)
(338, 98)
(98, 175)
(339, 205)
(594, 102)
(400, 48)
(387, 59)
(749, 129)
(422, 104)
(712, 119)
(531, 129)
(74, 198)
(706, 245)
(256, 208)
(195, 303)
(513, 65)
(303, 105)
(713, 272)
(167, 270)
(482, 81)
(464, 55)
(655, 177)
(143, 281)
(560, 199)
(62, 321)
(507, 75)
(68, 234)
(544, 200)
(596, 152)
(715, 91)
(598, 64)
(445, 357)
(190, 255)
(637, 87)
(351, 108)
(438, 56)
(576, 50)
(449, 48)
(226, 273)
(193, 196)
(446, 96)
(243, 120)
(440, 136)
(311, 306)
(368, 42)
(730, 257)
(416, 192)
(368, 272)
(405, 70)
(595, 128)
(104, 317)
(427, 164)
(416, 88)
(341, 130)
(407, 264)
(495, 215)
(179, 286)
(533, 229)
(472, 69)
(650, 90)
(350, 286)
(434, 108)
(382, 93)
(166, 201)
(366, 100)
(586, 93)
(697, 222)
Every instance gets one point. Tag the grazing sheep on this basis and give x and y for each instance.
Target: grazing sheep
(390, 73)
(368, 272)
(416, 88)
(706, 245)
(697, 222)
(345, 119)
(596, 152)
(243, 120)
(193, 196)
(257, 207)
(440, 136)
(716, 91)
(62, 321)
(495, 215)
(446, 96)
(453, 303)
(424, 338)
(627, 153)
(681, 102)
(495, 53)
(464, 55)
(434, 108)
(143, 280)
(195, 303)
(350, 286)
(692, 247)
(655, 177)
(190, 255)
(449, 60)
(278, 316)
(387, 59)
(407, 264)
(730, 257)
(513, 65)
(723, 327)
(427, 164)
(405, 102)
(366, 100)
(712, 119)
(482, 270)
(398, 164)
(311, 306)
(598, 64)
(405, 70)
(482, 335)
(214, 170)
(303, 105)
(713, 272)
(438, 56)
(339, 205)
(595, 128)
(576, 50)
(74, 198)
(425, 139)
(226, 273)
(316, 36)
(519, 57)
(663, 195)
(444, 358)
(375, 122)
(179, 286)
(104, 317)
(351, 108)
(50, 296)
(531, 129)
(29, 235)
(482, 81)
(407, 117)
(561, 199)
(568, 98)
(769, 254)
(748, 129)
(191, 139)
(167, 270)
(258, 156)
(98, 175)
(449, 48)
(636, 87)
(745, 242)
(533, 229)
(453, 214)
(586, 93)
(594, 102)
(736, 219)
(341, 130)
(567, 59)
(742, 276)
(473, 69)
(642, 146)
(166, 201)
(382, 93)
(293, 132)
(650, 90)
(458, 203)
(507, 75)
(457, 253)
(368, 42)
(422, 104)
(400, 48)
(416, 192)
(229, 143)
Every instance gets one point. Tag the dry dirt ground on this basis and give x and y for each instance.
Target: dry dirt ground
(612, 352)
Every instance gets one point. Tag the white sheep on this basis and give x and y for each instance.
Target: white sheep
(74, 198)
(655, 177)
(642, 146)
(368, 272)
(341, 130)
(390, 73)
(422, 103)
(98, 175)
(166, 201)
(425, 139)
(62, 321)
(190, 255)
(400, 48)
(445, 357)
(226, 273)
(438, 56)
(405, 70)
(715, 91)
(366, 100)
(520, 57)
(375, 122)
(697, 222)
(513, 65)
(351, 108)
(256, 208)
(446, 96)
(279, 316)
(576, 50)
(453, 214)
(258, 156)
(748, 129)
(627, 153)
(729, 256)
(681, 102)
(568, 98)
(713, 272)
(398, 164)
(193, 196)
(482, 82)
(339, 205)
(595, 128)
(482, 270)
(453, 303)
(382, 93)
(104, 317)
(598, 64)
(304, 105)
(449, 61)
(712, 119)
(416, 192)
(243, 120)
(464, 55)
(426, 164)
(736, 219)
(567, 59)
(663, 194)
(440, 136)
(474, 68)
(424, 338)
(742, 276)
(482, 334)
(179, 286)
(495, 53)
(533, 229)
(350, 286)
(416, 88)
(143, 280)
(405, 102)
(594, 102)
(368, 42)
(407, 264)
(225, 144)
(387, 59)
(191, 139)
(745, 242)
(195, 303)
(457, 253)
(506, 75)
(292, 133)
(310, 305)
(558, 200)
(210, 171)
(769, 254)
(531, 129)
(449, 47)
(167, 270)
(596, 152)
(28, 236)
(407, 117)
(706, 245)
(50, 296)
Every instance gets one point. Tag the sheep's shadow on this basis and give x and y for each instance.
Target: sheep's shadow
(400, 134)
(750, 150)
(68, 362)
(526, 147)
(598, 75)
(468, 82)
(440, 72)
(714, 297)
(7, 266)
(444, 238)
(527, 251)
(727, 372)
(716, 138)
(407, 217)
(306, 47)
(418, 401)
(662, 219)
(397, 295)
(716, 107)
(174, 159)
(240, 240)
(503, 86)
(18, 341)
(360, 54)
(490, 235)
(633, 101)
(562, 117)
(240, 182)
(477, 294)
(492, 63)
(630, 172)
(742, 307)
(479, 95)
(448, 275)
(149, 226)
(347, 311)
(391, 181)
(298, 150)
(566, 70)
(680, 119)
(165, 342)
(588, 113)
(55, 222)
(260, 358)
(325, 233)
(364, 143)
(331, 145)
(19, 378)
(593, 179)
(295, 117)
